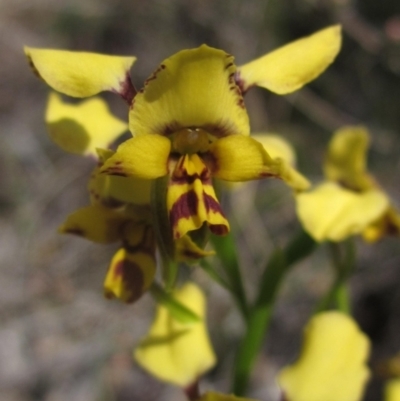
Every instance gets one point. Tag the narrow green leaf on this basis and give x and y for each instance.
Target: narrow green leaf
(209, 269)
(277, 267)
(179, 311)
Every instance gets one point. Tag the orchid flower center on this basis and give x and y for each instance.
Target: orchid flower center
(190, 141)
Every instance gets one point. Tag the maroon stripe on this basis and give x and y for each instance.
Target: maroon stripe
(132, 279)
(213, 205)
(184, 207)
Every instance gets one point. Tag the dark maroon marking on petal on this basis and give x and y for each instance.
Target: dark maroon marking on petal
(238, 92)
(192, 391)
(240, 83)
(153, 76)
(117, 173)
(212, 204)
(170, 128)
(228, 65)
(181, 176)
(219, 229)
(184, 207)
(132, 278)
(185, 178)
(75, 231)
(127, 90)
(34, 69)
(115, 170)
(269, 175)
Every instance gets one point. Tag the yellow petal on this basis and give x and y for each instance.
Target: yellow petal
(392, 390)
(239, 158)
(143, 157)
(95, 223)
(129, 275)
(175, 352)
(191, 89)
(213, 396)
(386, 225)
(81, 128)
(277, 147)
(332, 365)
(294, 65)
(112, 190)
(346, 159)
(82, 74)
(330, 212)
(191, 199)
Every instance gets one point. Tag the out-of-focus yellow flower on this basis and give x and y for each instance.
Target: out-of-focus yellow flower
(392, 390)
(332, 364)
(133, 267)
(84, 127)
(350, 201)
(175, 352)
(189, 121)
(213, 396)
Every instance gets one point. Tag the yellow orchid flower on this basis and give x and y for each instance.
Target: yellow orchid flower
(189, 121)
(175, 352)
(332, 364)
(392, 390)
(349, 202)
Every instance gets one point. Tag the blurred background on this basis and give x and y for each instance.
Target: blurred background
(59, 338)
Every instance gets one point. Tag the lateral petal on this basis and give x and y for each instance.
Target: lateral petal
(82, 74)
(81, 128)
(95, 223)
(143, 157)
(191, 199)
(276, 146)
(113, 190)
(192, 89)
(292, 66)
(239, 158)
(330, 212)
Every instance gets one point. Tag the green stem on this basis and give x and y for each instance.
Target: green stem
(343, 256)
(226, 251)
(163, 231)
(260, 315)
(342, 299)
